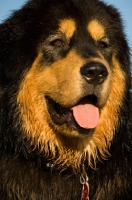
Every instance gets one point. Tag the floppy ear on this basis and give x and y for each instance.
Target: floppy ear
(9, 51)
(15, 46)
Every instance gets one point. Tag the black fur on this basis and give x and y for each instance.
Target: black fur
(23, 174)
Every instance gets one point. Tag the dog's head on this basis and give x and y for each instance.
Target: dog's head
(70, 61)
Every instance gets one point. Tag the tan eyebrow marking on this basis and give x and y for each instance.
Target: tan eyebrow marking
(67, 26)
(96, 29)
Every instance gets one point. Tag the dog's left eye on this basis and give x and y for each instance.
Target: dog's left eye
(104, 43)
(57, 42)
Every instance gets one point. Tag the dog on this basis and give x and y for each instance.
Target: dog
(65, 102)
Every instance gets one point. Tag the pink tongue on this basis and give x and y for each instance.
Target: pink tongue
(86, 115)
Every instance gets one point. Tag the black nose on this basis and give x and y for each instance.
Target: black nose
(94, 73)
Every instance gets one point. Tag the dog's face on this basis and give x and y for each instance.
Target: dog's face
(71, 95)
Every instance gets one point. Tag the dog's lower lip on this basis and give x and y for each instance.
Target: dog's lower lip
(62, 115)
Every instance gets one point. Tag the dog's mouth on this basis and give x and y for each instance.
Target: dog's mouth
(85, 114)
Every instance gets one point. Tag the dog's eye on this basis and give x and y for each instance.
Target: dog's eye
(102, 44)
(57, 42)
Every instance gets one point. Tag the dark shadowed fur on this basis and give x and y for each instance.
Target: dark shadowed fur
(41, 157)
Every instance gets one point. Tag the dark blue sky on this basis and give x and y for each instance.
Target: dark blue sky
(124, 6)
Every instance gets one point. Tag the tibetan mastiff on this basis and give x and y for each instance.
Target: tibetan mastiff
(65, 103)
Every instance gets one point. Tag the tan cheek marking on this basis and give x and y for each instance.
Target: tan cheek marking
(33, 112)
(57, 80)
(67, 26)
(96, 29)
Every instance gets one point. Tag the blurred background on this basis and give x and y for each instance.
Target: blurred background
(124, 6)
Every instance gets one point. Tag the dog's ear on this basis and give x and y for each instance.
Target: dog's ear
(9, 50)
(15, 46)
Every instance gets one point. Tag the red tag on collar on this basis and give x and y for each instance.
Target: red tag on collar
(85, 192)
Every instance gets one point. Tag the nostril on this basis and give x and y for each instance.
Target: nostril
(103, 73)
(94, 73)
(90, 74)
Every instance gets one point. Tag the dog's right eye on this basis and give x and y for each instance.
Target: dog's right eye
(103, 43)
(57, 42)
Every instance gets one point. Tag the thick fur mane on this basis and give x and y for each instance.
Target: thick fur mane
(65, 103)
